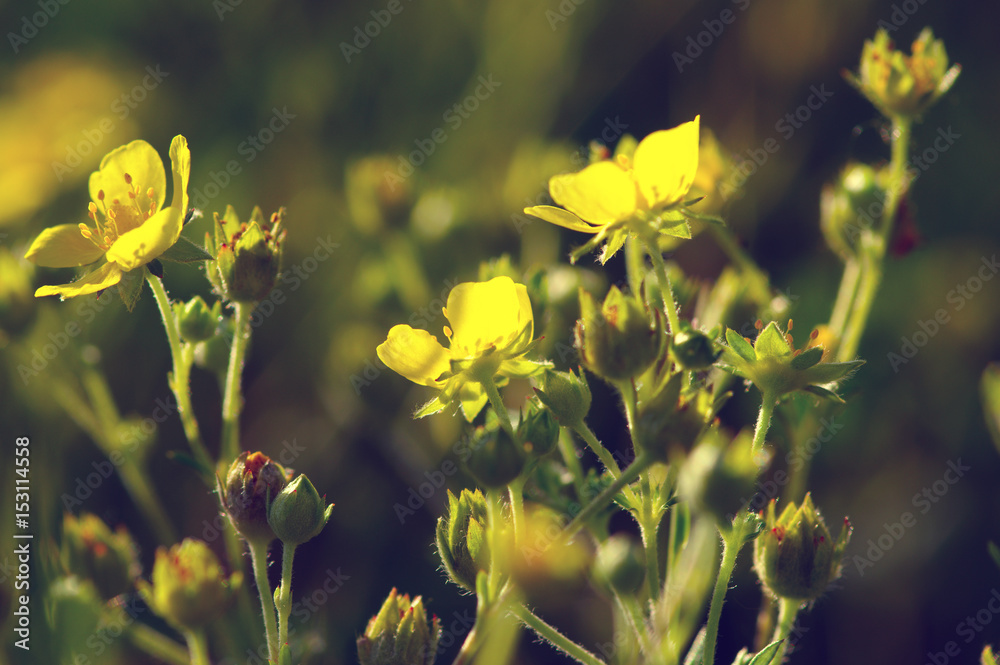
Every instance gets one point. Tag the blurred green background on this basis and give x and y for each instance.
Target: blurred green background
(472, 106)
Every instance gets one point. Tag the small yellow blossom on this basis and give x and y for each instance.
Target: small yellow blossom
(491, 328)
(628, 194)
(130, 226)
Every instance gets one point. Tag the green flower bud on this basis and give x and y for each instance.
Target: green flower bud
(987, 657)
(494, 458)
(901, 85)
(213, 354)
(718, 478)
(844, 204)
(547, 568)
(400, 634)
(92, 551)
(197, 321)
(668, 419)
(252, 483)
(617, 341)
(794, 556)
(620, 565)
(188, 587)
(693, 349)
(298, 513)
(461, 538)
(566, 394)
(538, 429)
(248, 256)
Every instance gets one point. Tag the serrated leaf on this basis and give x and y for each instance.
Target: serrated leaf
(765, 655)
(185, 251)
(772, 344)
(130, 288)
(807, 358)
(742, 347)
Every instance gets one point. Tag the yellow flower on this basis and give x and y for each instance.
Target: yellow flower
(131, 227)
(491, 329)
(628, 193)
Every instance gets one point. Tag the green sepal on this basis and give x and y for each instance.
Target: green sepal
(708, 219)
(696, 654)
(830, 372)
(130, 288)
(614, 244)
(807, 358)
(679, 229)
(285, 655)
(185, 251)
(820, 391)
(156, 268)
(765, 655)
(431, 407)
(739, 344)
(771, 343)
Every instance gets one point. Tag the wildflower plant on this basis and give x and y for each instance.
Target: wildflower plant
(546, 518)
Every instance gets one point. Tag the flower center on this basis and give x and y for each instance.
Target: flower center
(119, 217)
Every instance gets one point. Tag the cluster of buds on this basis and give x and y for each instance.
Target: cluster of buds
(899, 84)
(400, 634)
(247, 255)
(264, 503)
(93, 551)
(795, 557)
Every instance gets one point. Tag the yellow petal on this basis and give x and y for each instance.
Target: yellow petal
(62, 247)
(561, 217)
(140, 161)
(524, 315)
(666, 162)
(415, 354)
(180, 165)
(107, 275)
(484, 314)
(143, 244)
(600, 194)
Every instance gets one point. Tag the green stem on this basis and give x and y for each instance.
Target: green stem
(601, 501)
(649, 528)
(607, 459)
(874, 243)
(494, 513)
(157, 644)
(179, 379)
(232, 401)
(845, 296)
(490, 386)
(767, 404)
(633, 613)
(258, 558)
(554, 637)
(732, 541)
(284, 600)
(568, 451)
(666, 291)
(197, 646)
(788, 610)
(635, 266)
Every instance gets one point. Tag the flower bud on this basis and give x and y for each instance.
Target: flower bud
(720, 479)
(794, 556)
(298, 513)
(538, 429)
(91, 551)
(847, 207)
(545, 566)
(617, 341)
(667, 419)
(253, 482)
(188, 587)
(17, 302)
(248, 256)
(461, 538)
(213, 353)
(197, 321)
(901, 85)
(620, 565)
(494, 458)
(400, 634)
(74, 611)
(566, 394)
(693, 349)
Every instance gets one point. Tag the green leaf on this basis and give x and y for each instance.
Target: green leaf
(772, 344)
(830, 372)
(738, 344)
(807, 358)
(185, 251)
(765, 655)
(130, 287)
